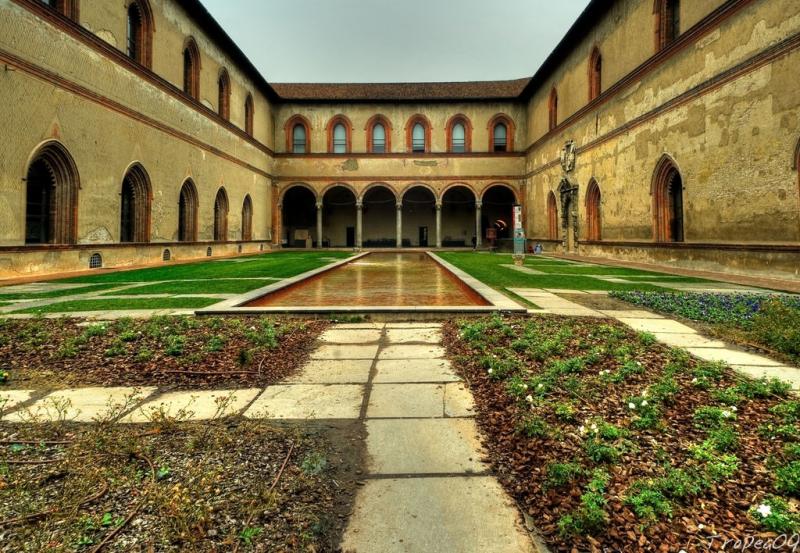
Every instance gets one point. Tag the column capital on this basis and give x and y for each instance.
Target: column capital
(359, 204)
(478, 204)
(319, 205)
(399, 205)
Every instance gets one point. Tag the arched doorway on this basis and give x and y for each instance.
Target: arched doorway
(136, 198)
(458, 217)
(552, 216)
(498, 214)
(221, 209)
(419, 217)
(339, 217)
(379, 215)
(299, 214)
(593, 219)
(668, 202)
(51, 201)
(187, 213)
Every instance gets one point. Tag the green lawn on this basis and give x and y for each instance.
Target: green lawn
(223, 276)
(486, 267)
(113, 304)
(180, 287)
(275, 265)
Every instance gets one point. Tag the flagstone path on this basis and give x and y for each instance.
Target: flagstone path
(426, 487)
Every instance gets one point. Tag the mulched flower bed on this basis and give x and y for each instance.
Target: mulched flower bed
(185, 352)
(608, 439)
(223, 485)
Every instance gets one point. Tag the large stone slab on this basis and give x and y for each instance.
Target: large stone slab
(351, 336)
(435, 515)
(782, 372)
(406, 401)
(421, 335)
(345, 352)
(656, 326)
(82, 404)
(678, 340)
(412, 352)
(360, 326)
(630, 314)
(333, 371)
(733, 357)
(423, 446)
(458, 400)
(415, 370)
(194, 405)
(9, 399)
(308, 401)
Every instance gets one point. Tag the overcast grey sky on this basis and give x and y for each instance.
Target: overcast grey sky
(395, 40)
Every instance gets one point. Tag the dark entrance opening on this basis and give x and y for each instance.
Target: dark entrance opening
(299, 217)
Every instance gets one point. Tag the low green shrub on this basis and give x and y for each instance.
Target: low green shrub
(561, 474)
(775, 516)
(787, 478)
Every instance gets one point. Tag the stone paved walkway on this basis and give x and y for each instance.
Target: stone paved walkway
(668, 331)
(426, 487)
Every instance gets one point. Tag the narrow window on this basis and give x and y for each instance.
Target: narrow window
(191, 70)
(339, 139)
(299, 139)
(668, 202)
(64, 7)
(224, 100)
(221, 216)
(135, 32)
(552, 217)
(553, 110)
(500, 138)
(51, 203)
(378, 139)
(187, 213)
(593, 224)
(247, 218)
(248, 115)
(459, 139)
(667, 22)
(595, 74)
(135, 206)
(418, 138)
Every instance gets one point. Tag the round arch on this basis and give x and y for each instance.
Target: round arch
(373, 148)
(333, 185)
(497, 146)
(378, 215)
(505, 185)
(374, 185)
(459, 209)
(408, 187)
(294, 185)
(497, 205)
(339, 215)
(466, 147)
(419, 220)
(51, 200)
(288, 129)
(344, 121)
(457, 184)
(298, 204)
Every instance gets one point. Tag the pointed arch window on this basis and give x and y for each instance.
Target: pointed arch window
(136, 199)
(221, 216)
(247, 218)
(595, 74)
(224, 97)
(249, 114)
(553, 110)
(68, 8)
(187, 213)
(191, 69)
(552, 217)
(140, 32)
(593, 221)
(667, 193)
(51, 202)
(667, 22)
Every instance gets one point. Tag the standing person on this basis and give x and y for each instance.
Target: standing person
(474, 243)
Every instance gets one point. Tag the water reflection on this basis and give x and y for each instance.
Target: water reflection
(379, 279)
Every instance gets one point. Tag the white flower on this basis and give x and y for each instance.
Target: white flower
(524, 386)
(726, 414)
(529, 399)
(644, 403)
(682, 551)
(701, 526)
(764, 510)
(694, 380)
(594, 427)
(644, 394)
(490, 371)
(582, 429)
(733, 409)
(252, 328)
(540, 386)
(631, 405)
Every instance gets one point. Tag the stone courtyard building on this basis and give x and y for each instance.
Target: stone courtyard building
(137, 132)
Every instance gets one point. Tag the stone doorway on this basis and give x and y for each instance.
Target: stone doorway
(569, 215)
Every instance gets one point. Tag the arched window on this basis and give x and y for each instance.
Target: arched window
(339, 129)
(140, 32)
(298, 135)
(418, 135)
(501, 133)
(224, 100)
(379, 135)
(96, 261)
(247, 218)
(552, 217)
(593, 222)
(249, 113)
(51, 202)
(667, 22)
(136, 198)
(459, 134)
(595, 74)
(667, 190)
(187, 213)
(191, 69)
(64, 7)
(221, 216)
(553, 110)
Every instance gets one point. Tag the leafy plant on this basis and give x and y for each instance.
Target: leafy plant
(711, 417)
(591, 515)
(787, 478)
(564, 411)
(774, 515)
(533, 426)
(175, 345)
(561, 474)
(314, 463)
(647, 502)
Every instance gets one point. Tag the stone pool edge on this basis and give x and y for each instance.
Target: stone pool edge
(234, 306)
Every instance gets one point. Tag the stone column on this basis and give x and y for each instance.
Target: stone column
(359, 205)
(319, 224)
(399, 224)
(277, 225)
(438, 224)
(478, 204)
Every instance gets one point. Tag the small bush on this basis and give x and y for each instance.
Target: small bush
(679, 484)
(561, 474)
(565, 411)
(787, 478)
(724, 438)
(774, 515)
(763, 388)
(777, 324)
(647, 502)
(712, 417)
(591, 515)
(533, 426)
(175, 343)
